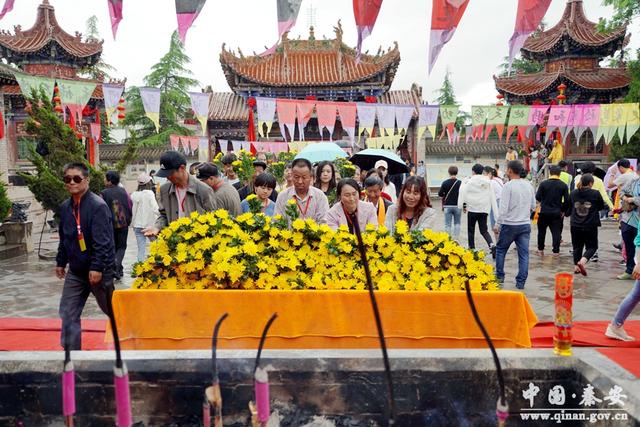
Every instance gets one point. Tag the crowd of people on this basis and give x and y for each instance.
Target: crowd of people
(94, 229)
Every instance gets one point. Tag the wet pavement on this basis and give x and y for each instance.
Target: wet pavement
(29, 288)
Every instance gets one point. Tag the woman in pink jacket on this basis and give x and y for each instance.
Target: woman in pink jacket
(350, 208)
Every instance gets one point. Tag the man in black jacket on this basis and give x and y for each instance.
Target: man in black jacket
(86, 246)
(553, 196)
(120, 203)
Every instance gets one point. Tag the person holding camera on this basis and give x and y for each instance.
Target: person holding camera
(627, 184)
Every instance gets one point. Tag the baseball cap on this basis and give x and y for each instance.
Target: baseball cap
(143, 178)
(207, 170)
(381, 163)
(170, 162)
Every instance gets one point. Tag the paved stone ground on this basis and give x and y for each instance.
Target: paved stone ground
(29, 288)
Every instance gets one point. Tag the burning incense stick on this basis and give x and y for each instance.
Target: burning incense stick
(212, 394)
(261, 411)
(120, 374)
(376, 314)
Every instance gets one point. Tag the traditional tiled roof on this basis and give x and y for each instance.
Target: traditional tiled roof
(576, 30)
(310, 62)
(46, 30)
(114, 152)
(227, 106)
(600, 79)
(478, 148)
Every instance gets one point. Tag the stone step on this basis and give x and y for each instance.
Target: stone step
(11, 251)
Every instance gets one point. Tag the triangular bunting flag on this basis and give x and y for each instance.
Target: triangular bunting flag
(266, 108)
(287, 16)
(187, 12)
(151, 102)
(366, 117)
(404, 114)
(304, 110)
(286, 109)
(445, 16)
(200, 106)
(115, 13)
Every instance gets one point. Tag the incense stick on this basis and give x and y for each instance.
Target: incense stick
(376, 314)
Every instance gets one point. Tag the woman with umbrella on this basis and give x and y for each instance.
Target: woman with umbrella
(350, 208)
(413, 206)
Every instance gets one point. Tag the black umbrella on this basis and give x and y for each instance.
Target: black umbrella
(366, 160)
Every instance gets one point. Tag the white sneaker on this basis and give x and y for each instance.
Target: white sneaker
(618, 333)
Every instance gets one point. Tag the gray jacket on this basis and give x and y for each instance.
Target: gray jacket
(200, 198)
(426, 220)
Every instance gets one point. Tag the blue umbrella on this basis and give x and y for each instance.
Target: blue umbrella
(366, 160)
(319, 151)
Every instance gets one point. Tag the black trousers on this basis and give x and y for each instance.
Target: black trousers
(554, 222)
(584, 238)
(481, 220)
(120, 239)
(628, 236)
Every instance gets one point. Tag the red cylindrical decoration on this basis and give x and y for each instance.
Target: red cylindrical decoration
(562, 333)
(370, 99)
(121, 109)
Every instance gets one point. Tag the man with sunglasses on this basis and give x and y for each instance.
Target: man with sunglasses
(181, 195)
(87, 248)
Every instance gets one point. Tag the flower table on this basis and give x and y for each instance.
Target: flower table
(184, 319)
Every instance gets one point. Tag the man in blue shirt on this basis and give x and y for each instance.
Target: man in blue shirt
(87, 248)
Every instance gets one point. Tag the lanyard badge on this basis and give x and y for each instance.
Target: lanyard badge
(81, 242)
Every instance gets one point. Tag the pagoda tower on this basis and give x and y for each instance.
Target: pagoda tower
(324, 69)
(44, 50)
(571, 53)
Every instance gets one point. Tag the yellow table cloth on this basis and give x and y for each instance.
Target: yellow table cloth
(184, 319)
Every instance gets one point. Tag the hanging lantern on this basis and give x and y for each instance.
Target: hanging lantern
(57, 101)
(121, 109)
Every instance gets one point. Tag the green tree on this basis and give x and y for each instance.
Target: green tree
(631, 149)
(519, 65)
(447, 96)
(100, 70)
(172, 76)
(60, 147)
(5, 203)
(624, 11)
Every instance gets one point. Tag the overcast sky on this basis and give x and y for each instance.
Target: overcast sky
(143, 37)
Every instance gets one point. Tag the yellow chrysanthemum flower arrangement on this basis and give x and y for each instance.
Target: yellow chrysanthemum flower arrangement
(253, 251)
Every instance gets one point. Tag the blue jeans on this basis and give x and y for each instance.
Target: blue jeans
(141, 240)
(519, 234)
(627, 305)
(452, 213)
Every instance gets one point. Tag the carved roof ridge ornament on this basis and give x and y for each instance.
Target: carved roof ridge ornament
(44, 30)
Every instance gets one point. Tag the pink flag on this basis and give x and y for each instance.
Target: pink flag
(95, 130)
(187, 11)
(184, 141)
(445, 16)
(286, 109)
(8, 7)
(366, 13)
(194, 141)
(326, 117)
(347, 111)
(175, 142)
(304, 110)
(287, 16)
(115, 12)
(528, 17)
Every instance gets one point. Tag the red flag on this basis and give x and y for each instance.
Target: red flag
(445, 16)
(366, 13)
(528, 18)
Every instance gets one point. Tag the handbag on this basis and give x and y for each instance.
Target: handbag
(449, 192)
